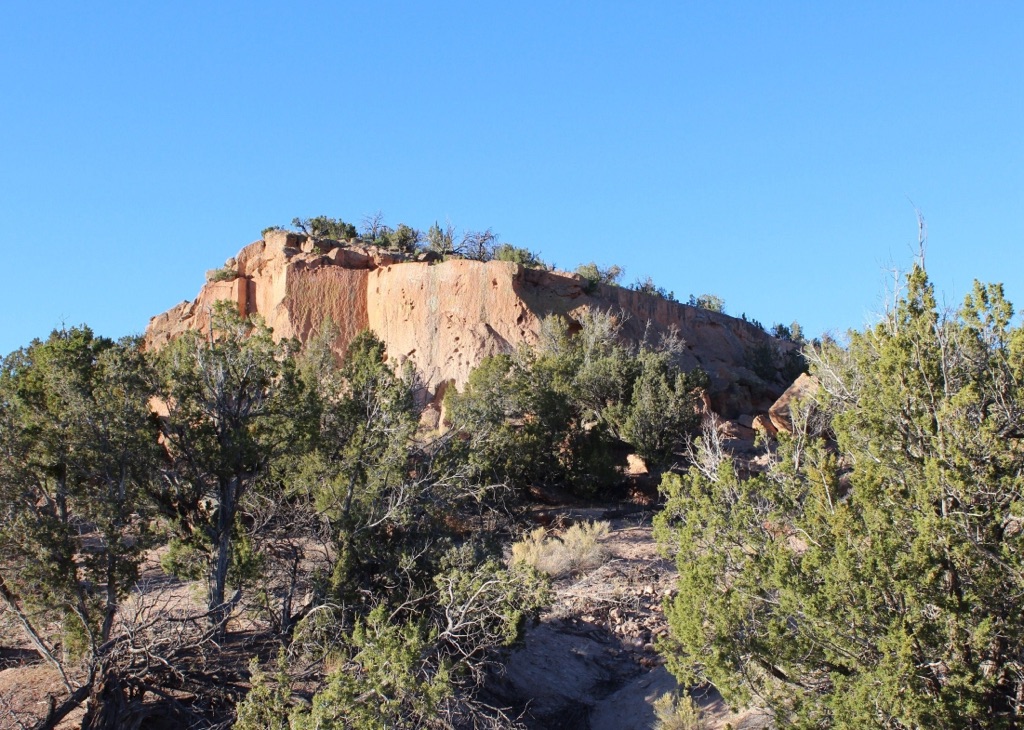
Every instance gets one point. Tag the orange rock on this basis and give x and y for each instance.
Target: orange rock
(780, 413)
(446, 316)
(763, 423)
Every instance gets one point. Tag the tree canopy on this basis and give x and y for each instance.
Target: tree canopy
(871, 577)
(554, 415)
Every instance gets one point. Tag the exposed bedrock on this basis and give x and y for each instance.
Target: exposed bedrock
(444, 317)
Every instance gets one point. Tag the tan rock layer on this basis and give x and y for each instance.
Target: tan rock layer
(445, 317)
(781, 412)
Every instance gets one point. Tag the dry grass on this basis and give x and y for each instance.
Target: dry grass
(677, 713)
(576, 550)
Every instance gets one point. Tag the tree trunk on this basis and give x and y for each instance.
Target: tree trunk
(109, 706)
(222, 558)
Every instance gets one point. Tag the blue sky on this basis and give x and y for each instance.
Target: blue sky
(770, 153)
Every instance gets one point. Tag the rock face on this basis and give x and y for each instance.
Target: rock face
(446, 316)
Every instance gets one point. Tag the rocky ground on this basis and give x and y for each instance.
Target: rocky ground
(591, 662)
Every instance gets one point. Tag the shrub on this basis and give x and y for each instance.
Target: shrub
(323, 228)
(522, 256)
(404, 238)
(225, 273)
(710, 302)
(555, 415)
(579, 548)
(600, 275)
(871, 576)
(673, 712)
(647, 286)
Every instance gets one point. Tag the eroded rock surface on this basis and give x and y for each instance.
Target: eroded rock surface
(446, 316)
(780, 413)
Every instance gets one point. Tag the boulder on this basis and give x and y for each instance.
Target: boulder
(764, 424)
(736, 431)
(781, 411)
(279, 239)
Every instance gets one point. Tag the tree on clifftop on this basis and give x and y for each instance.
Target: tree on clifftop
(873, 580)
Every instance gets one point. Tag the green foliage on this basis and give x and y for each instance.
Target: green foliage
(294, 481)
(673, 712)
(402, 668)
(268, 229)
(441, 240)
(872, 583)
(404, 238)
(554, 415)
(78, 454)
(479, 246)
(662, 412)
(187, 560)
(266, 706)
(770, 361)
(491, 603)
(710, 302)
(385, 680)
(522, 256)
(359, 465)
(523, 428)
(596, 275)
(793, 333)
(323, 228)
(235, 406)
(225, 273)
(647, 286)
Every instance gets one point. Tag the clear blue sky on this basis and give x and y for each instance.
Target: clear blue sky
(767, 152)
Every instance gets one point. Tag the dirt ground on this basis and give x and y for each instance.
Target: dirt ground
(591, 663)
(25, 692)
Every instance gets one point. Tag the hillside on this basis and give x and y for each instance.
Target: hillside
(320, 500)
(445, 316)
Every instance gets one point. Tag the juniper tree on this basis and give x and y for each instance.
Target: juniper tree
(872, 576)
(234, 406)
(78, 456)
(553, 414)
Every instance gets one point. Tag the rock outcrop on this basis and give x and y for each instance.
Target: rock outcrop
(781, 413)
(444, 317)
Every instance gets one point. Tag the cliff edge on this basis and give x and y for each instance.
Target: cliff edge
(444, 317)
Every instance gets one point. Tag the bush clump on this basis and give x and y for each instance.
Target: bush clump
(673, 712)
(577, 549)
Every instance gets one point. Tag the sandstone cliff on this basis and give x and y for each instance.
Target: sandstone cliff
(446, 316)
